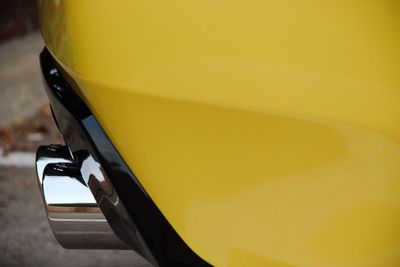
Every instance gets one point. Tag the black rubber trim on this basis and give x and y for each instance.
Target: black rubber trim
(81, 131)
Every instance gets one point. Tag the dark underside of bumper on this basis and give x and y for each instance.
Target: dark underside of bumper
(134, 217)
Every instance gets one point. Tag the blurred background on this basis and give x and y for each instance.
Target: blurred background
(25, 123)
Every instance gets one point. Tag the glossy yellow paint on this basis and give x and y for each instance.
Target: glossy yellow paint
(267, 132)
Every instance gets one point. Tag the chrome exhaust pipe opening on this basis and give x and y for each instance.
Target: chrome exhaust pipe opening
(73, 213)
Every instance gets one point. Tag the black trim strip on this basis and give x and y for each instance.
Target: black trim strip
(153, 236)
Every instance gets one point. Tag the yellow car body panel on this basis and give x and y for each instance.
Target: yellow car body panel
(267, 132)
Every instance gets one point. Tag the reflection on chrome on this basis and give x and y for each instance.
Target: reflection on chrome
(107, 199)
(74, 215)
(91, 167)
(50, 154)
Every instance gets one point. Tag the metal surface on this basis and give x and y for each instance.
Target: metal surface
(130, 211)
(73, 213)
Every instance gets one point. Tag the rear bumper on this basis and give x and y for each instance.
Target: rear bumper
(97, 165)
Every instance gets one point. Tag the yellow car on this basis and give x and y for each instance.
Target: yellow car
(225, 133)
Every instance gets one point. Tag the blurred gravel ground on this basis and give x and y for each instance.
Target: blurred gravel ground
(26, 134)
(25, 123)
(21, 90)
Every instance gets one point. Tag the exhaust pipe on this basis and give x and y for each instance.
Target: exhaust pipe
(73, 213)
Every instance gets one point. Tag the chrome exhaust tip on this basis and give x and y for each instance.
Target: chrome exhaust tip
(73, 213)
